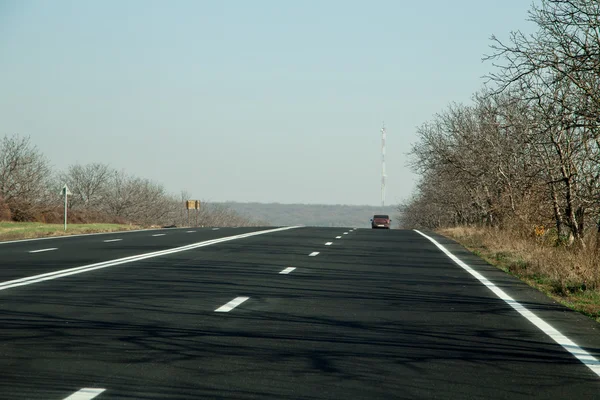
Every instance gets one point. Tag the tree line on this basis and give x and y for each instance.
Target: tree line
(526, 150)
(30, 191)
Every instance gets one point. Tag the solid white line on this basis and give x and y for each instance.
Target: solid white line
(85, 394)
(287, 270)
(314, 253)
(586, 358)
(159, 234)
(111, 263)
(43, 250)
(338, 237)
(328, 243)
(232, 304)
(112, 240)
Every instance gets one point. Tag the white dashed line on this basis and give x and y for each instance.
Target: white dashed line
(112, 240)
(73, 236)
(85, 394)
(29, 280)
(287, 270)
(586, 358)
(232, 304)
(345, 233)
(159, 234)
(328, 243)
(338, 237)
(314, 253)
(44, 250)
(215, 229)
(191, 232)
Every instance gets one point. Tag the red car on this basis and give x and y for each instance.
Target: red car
(381, 221)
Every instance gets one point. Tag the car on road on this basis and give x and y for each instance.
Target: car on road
(381, 221)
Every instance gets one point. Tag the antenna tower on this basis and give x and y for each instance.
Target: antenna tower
(383, 175)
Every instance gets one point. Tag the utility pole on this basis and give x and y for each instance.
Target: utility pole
(383, 175)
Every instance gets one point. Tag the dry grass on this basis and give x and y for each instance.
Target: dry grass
(570, 276)
(31, 230)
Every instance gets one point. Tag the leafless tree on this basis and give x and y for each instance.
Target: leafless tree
(135, 199)
(87, 183)
(24, 177)
(557, 70)
(29, 191)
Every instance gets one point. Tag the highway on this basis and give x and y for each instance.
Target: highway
(278, 313)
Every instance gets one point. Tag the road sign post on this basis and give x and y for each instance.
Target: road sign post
(190, 205)
(197, 204)
(65, 192)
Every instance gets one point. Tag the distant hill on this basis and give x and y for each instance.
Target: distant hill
(312, 214)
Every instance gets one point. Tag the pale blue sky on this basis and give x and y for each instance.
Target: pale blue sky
(270, 101)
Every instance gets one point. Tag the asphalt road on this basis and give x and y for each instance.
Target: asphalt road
(303, 313)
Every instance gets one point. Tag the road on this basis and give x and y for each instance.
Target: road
(263, 313)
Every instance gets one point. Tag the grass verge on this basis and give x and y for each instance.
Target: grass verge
(570, 277)
(32, 230)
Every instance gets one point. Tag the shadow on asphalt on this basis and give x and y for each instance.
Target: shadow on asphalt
(376, 319)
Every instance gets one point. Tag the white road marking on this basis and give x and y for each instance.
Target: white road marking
(112, 240)
(287, 270)
(85, 394)
(215, 229)
(586, 358)
(345, 233)
(44, 250)
(191, 232)
(75, 236)
(232, 304)
(91, 267)
(338, 237)
(328, 243)
(314, 253)
(159, 234)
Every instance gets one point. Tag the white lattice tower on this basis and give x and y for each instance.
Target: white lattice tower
(383, 175)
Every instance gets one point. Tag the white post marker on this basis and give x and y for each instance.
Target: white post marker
(85, 394)
(65, 192)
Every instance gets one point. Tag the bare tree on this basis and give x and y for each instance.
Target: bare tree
(88, 183)
(557, 70)
(24, 177)
(139, 200)
(29, 191)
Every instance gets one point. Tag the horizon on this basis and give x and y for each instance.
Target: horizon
(257, 102)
